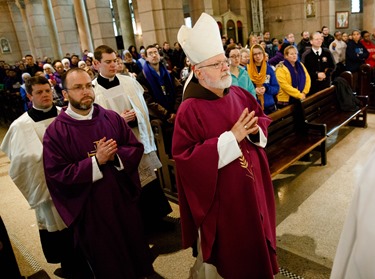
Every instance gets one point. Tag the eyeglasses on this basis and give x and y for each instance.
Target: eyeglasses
(151, 53)
(82, 87)
(218, 65)
(257, 53)
(235, 56)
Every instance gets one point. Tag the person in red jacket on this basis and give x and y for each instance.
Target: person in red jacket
(370, 46)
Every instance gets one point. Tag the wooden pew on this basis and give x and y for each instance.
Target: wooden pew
(166, 174)
(323, 108)
(290, 138)
(366, 84)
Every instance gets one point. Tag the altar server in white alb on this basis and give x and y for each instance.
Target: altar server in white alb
(23, 145)
(124, 95)
(355, 253)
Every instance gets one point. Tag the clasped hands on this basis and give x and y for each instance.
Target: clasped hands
(128, 115)
(106, 150)
(246, 124)
(260, 90)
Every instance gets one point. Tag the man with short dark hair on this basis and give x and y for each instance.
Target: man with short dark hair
(167, 55)
(304, 43)
(161, 95)
(23, 146)
(268, 41)
(74, 59)
(327, 38)
(31, 66)
(124, 95)
(91, 159)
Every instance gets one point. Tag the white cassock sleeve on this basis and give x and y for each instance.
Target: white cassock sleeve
(229, 150)
(96, 172)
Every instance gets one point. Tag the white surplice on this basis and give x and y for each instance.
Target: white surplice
(23, 146)
(129, 95)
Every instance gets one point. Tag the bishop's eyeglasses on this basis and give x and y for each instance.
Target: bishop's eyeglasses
(218, 65)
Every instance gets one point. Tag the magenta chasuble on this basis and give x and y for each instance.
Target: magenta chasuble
(233, 206)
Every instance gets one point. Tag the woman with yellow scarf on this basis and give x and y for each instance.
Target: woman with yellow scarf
(263, 78)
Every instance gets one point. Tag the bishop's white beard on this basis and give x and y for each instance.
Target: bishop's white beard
(224, 82)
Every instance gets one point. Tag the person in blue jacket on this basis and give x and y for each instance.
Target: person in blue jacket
(356, 55)
(263, 78)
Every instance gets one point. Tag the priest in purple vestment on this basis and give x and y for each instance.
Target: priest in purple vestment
(91, 158)
(225, 190)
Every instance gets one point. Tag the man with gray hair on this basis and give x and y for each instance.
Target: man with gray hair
(225, 190)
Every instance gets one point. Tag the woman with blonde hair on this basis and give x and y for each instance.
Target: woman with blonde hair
(263, 78)
(293, 78)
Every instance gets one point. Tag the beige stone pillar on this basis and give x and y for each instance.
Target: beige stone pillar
(196, 8)
(125, 23)
(101, 22)
(38, 26)
(327, 14)
(369, 15)
(83, 25)
(66, 26)
(161, 20)
(52, 29)
(21, 5)
(138, 37)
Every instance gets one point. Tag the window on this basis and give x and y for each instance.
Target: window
(357, 6)
(113, 18)
(188, 22)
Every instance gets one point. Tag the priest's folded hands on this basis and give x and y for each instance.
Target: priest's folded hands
(105, 150)
(246, 124)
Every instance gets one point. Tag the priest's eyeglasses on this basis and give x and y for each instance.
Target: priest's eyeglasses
(82, 87)
(218, 65)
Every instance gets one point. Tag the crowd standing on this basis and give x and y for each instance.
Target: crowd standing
(324, 56)
(113, 97)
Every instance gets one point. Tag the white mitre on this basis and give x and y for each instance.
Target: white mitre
(201, 42)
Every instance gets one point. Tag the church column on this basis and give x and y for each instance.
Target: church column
(369, 15)
(125, 23)
(83, 25)
(101, 22)
(161, 20)
(197, 7)
(52, 29)
(38, 25)
(21, 5)
(327, 14)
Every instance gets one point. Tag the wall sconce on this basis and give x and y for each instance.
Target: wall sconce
(279, 18)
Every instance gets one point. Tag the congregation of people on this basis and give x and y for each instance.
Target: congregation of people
(264, 67)
(101, 104)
